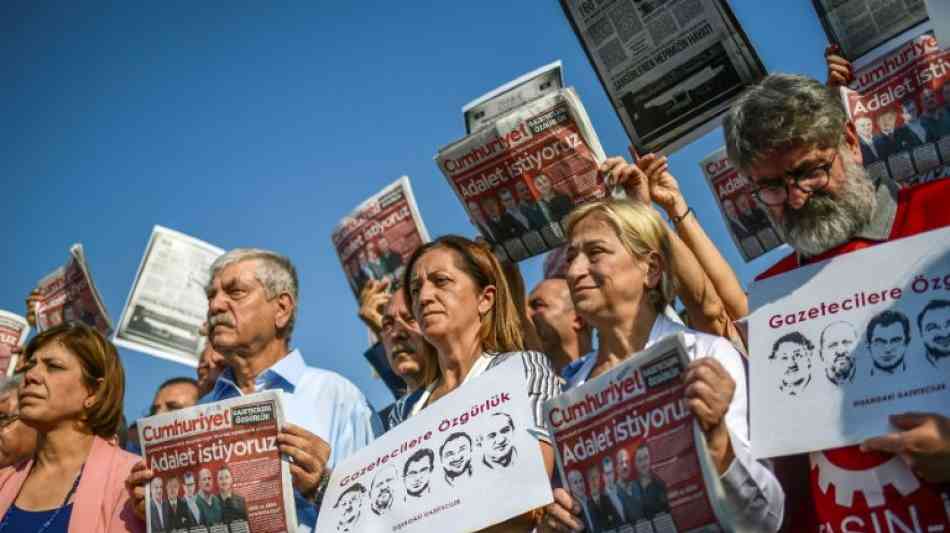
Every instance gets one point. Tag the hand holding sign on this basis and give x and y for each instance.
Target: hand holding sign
(923, 442)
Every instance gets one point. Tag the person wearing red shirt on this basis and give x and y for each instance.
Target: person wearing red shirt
(792, 137)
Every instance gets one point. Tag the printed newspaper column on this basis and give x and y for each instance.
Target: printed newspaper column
(859, 26)
(518, 178)
(670, 68)
(839, 345)
(900, 105)
(218, 468)
(751, 229)
(630, 452)
(167, 304)
(13, 332)
(69, 293)
(376, 239)
(435, 471)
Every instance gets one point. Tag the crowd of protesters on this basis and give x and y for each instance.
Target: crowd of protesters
(458, 312)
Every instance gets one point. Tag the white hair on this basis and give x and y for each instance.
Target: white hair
(274, 271)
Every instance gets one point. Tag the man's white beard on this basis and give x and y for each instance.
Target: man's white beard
(827, 221)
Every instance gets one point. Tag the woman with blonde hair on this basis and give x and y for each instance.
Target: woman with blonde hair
(620, 261)
(75, 481)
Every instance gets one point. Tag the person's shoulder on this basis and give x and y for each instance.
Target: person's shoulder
(531, 359)
(314, 379)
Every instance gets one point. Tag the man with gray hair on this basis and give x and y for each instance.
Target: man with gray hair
(252, 307)
(792, 137)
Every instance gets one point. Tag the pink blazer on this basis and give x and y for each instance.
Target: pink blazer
(101, 503)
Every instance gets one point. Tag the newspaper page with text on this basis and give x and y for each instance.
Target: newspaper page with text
(167, 304)
(439, 470)
(900, 106)
(375, 240)
(69, 293)
(859, 26)
(518, 178)
(630, 452)
(670, 68)
(747, 221)
(218, 468)
(483, 110)
(13, 333)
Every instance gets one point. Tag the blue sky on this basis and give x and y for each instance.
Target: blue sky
(247, 124)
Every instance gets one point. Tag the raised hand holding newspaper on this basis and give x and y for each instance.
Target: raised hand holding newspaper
(630, 451)
(218, 467)
(13, 332)
(376, 239)
(839, 345)
(747, 221)
(167, 304)
(69, 293)
(437, 470)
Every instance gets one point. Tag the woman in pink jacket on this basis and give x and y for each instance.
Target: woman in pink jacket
(72, 395)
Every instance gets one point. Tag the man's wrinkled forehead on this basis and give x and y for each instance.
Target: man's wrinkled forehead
(244, 271)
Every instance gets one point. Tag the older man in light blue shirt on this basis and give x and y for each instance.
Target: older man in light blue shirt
(252, 305)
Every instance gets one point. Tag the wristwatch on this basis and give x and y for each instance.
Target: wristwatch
(321, 488)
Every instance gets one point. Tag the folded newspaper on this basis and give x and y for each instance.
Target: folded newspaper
(900, 106)
(167, 304)
(670, 68)
(859, 26)
(483, 110)
(518, 177)
(13, 332)
(69, 293)
(218, 468)
(377, 238)
(747, 221)
(441, 470)
(630, 452)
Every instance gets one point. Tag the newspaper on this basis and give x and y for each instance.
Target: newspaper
(519, 177)
(841, 344)
(555, 263)
(13, 332)
(481, 111)
(376, 239)
(167, 303)
(670, 67)
(218, 467)
(748, 222)
(438, 470)
(630, 451)
(900, 106)
(69, 293)
(859, 26)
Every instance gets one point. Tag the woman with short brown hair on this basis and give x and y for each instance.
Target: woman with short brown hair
(71, 394)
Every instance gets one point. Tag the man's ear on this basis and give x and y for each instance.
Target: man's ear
(285, 310)
(578, 324)
(486, 300)
(853, 142)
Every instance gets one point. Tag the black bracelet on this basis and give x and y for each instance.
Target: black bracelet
(677, 219)
(321, 489)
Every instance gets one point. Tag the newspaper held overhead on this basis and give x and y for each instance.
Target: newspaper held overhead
(376, 239)
(900, 106)
(480, 112)
(218, 468)
(749, 224)
(555, 263)
(69, 293)
(13, 332)
(670, 68)
(433, 471)
(859, 26)
(167, 303)
(636, 414)
(518, 178)
(842, 344)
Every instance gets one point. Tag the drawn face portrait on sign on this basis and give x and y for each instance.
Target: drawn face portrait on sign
(837, 351)
(792, 354)
(417, 472)
(382, 493)
(499, 441)
(888, 335)
(351, 505)
(456, 456)
(934, 324)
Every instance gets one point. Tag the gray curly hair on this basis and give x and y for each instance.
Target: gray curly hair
(274, 271)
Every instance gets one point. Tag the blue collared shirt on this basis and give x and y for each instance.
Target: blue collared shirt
(322, 402)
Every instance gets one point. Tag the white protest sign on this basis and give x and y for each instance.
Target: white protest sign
(438, 470)
(839, 345)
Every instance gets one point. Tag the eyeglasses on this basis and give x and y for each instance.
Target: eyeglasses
(775, 191)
